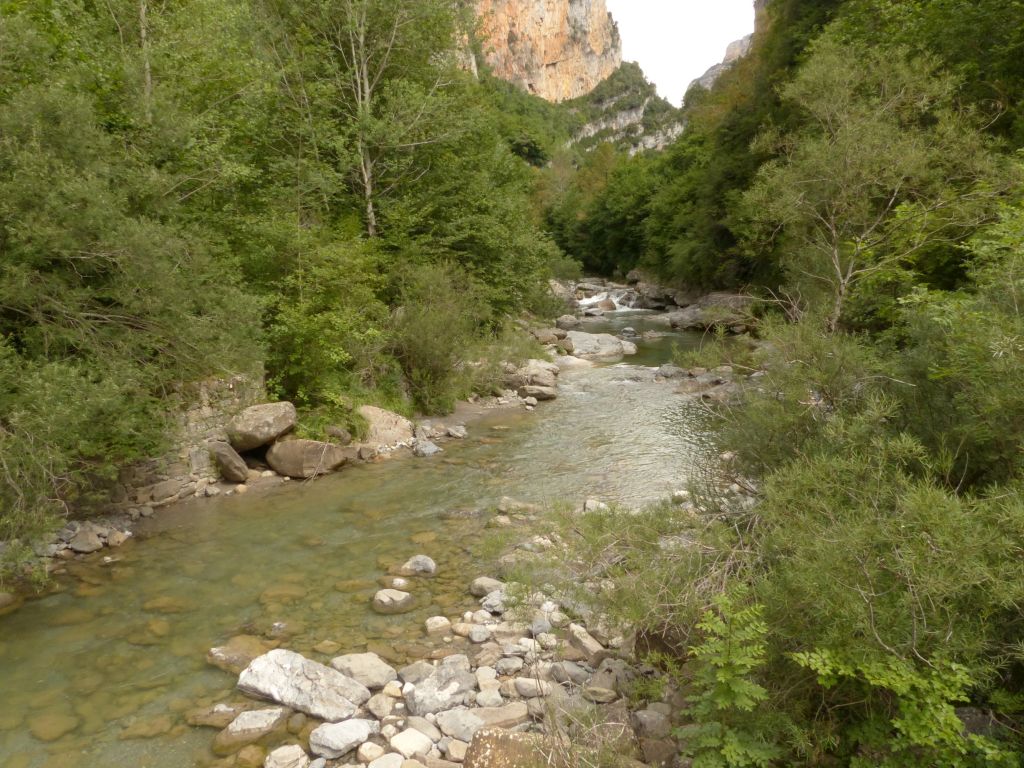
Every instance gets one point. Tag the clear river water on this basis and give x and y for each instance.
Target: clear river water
(98, 673)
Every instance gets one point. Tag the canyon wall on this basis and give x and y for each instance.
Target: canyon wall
(555, 49)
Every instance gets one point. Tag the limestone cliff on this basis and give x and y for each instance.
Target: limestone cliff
(555, 49)
(733, 53)
(625, 110)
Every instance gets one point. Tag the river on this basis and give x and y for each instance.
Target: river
(122, 644)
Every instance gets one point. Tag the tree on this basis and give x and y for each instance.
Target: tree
(391, 64)
(882, 169)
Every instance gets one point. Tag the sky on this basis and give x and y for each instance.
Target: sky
(676, 41)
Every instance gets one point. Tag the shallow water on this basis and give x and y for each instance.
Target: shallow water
(123, 644)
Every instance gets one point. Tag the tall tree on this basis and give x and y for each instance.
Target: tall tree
(882, 169)
(391, 63)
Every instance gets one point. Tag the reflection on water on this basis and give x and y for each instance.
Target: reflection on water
(119, 649)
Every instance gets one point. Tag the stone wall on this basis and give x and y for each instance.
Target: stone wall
(187, 470)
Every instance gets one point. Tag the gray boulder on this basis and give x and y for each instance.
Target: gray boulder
(651, 724)
(86, 541)
(598, 346)
(484, 585)
(669, 371)
(366, 669)
(386, 429)
(460, 724)
(261, 424)
(494, 602)
(535, 372)
(416, 672)
(302, 459)
(425, 449)
(295, 681)
(418, 565)
(444, 689)
(392, 601)
(538, 393)
(332, 740)
(232, 466)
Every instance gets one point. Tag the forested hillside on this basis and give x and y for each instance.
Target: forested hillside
(858, 174)
(222, 186)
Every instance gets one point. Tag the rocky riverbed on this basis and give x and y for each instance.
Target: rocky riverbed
(507, 682)
(296, 566)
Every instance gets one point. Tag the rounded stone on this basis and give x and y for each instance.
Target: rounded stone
(420, 565)
(392, 601)
(437, 625)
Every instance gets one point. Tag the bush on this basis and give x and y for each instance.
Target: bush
(964, 357)
(436, 333)
(328, 333)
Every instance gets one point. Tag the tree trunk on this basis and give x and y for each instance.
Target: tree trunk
(366, 169)
(837, 308)
(147, 72)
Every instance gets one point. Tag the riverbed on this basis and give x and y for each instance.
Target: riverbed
(118, 649)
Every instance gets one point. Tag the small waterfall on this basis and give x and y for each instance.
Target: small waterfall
(620, 297)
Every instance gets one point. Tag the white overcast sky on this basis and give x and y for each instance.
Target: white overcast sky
(676, 41)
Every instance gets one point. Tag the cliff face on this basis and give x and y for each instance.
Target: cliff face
(625, 110)
(733, 53)
(555, 49)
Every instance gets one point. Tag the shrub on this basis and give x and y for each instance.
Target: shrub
(728, 729)
(436, 333)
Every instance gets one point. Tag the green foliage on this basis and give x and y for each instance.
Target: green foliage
(919, 725)
(809, 377)
(883, 440)
(533, 128)
(980, 41)
(964, 353)
(882, 172)
(600, 218)
(206, 191)
(726, 732)
(328, 335)
(694, 230)
(438, 324)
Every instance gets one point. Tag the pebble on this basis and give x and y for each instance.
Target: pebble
(368, 752)
(480, 634)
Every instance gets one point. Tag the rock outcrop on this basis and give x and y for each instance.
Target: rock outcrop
(627, 111)
(555, 49)
(733, 53)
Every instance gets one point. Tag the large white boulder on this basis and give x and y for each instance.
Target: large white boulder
(293, 680)
(386, 429)
(599, 346)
